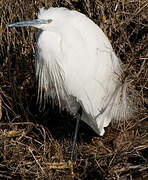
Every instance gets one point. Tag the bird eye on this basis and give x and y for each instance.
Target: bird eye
(49, 20)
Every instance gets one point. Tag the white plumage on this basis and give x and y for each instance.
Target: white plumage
(76, 66)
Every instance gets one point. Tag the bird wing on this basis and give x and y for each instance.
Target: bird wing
(91, 68)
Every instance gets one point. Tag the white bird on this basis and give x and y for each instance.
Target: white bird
(77, 67)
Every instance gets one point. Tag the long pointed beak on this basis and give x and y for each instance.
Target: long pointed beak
(34, 23)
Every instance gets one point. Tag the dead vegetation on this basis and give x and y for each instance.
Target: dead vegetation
(35, 144)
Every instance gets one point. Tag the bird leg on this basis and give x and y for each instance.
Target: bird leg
(78, 116)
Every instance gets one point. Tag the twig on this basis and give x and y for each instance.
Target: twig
(36, 160)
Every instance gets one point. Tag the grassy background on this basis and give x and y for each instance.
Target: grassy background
(36, 143)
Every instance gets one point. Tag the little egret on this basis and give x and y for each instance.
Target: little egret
(77, 67)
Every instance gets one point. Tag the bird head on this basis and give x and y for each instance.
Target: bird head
(50, 18)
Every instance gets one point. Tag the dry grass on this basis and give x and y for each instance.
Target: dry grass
(35, 144)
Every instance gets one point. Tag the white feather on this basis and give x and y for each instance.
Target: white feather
(76, 57)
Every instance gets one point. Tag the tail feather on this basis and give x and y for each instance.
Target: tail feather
(119, 107)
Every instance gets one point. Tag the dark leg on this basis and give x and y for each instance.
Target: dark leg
(76, 132)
